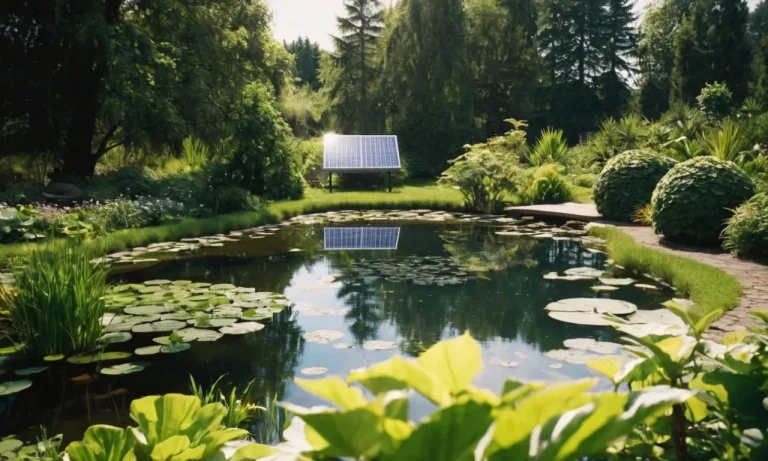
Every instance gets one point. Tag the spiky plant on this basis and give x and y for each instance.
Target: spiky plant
(727, 142)
(550, 148)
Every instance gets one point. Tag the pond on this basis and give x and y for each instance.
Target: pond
(359, 292)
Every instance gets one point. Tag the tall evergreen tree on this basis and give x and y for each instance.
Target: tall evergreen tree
(693, 54)
(503, 56)
(428, 82)
(620, 42)
(355, 57)
(730, 46)
(656, 58)
(307, 61)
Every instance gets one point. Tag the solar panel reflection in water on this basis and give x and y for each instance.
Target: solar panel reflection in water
(361, 238)
(360, 153)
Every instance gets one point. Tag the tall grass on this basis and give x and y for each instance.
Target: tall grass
(57, 304)
(194, 152)
(726, 143)
(710, 288)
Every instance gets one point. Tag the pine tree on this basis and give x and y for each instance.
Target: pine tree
(307, 61)
(355, 56)
(618, 49)
(693, 55)
(730, 46)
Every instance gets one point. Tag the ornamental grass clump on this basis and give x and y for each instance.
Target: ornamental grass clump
(57, 302)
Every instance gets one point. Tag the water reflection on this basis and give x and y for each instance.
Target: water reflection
(361, 238)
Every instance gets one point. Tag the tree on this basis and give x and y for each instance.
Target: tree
(428, 82)
(617, 52)
(83, 77)
(731, 46)
(350, 85)
(307, 61)
(502, 53)
(656, 58)
(693, 55)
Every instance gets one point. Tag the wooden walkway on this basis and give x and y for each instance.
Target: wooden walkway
(568, 210)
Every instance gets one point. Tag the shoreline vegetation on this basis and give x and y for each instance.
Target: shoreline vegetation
(707, 286)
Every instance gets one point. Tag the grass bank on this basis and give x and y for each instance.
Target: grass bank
(707, 286)
(315, 200)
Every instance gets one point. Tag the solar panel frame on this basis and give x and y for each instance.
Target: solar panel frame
(361, 153)
(360, 238)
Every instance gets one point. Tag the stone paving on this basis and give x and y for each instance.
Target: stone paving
(754, 276)
(569, 210)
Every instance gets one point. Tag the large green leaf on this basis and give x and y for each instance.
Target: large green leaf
(398, 373)
(450, 434)
(169, 448)
(455, 363)
(335, 391)
(253, 452)
(354, 433)
(103, 443)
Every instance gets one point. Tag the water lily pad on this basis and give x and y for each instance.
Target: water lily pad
(176, 316)
(656, 316)
(616, 282)
(568, 278)
(599, 288)
(53, 358)
(590, 345)
(342, 346)
(30, 370)
(10, 350)
(194, 334)
(645, 286)
(222, 287)
(211, 322)
(161, 326)
(148, 350)
(581, 318)
(314, 371)
(148, 310)
(173, 348)
(99, 357)
(314, 312)
(115, 337)
(150, 290)
(227, 312)
(150, 283)
(597, 305)
(242, 328)
(181, 283)
(12, 387)
(379, 345)
(200, 285)
(257, 314)
(124, 368)
(323, 336)
(585, 272)
(556, 366)
(502, 362)
(572, 356)
(127, 323)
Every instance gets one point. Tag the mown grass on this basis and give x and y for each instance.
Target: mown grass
(709, 287)
(315, 200)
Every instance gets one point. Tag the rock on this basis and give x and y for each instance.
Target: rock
(574, 225)
(62, 192)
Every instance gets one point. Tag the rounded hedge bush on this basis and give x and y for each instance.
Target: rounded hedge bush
(747, 230)
(694, 200)
(627, 182)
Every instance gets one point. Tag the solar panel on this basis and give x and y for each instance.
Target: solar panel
(350, 154)
(361, 238)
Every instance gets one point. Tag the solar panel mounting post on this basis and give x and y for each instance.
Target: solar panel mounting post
(389, 181)
(330, 183)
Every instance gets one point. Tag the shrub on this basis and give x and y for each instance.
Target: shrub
(57, 303)
(487, 171)
(230, 199)
(547, 186)
(693, 201)
(585, 180)
(747, 231)
(715, 101)
(311, 152)
(133, 181)
(550, 148)
(627, 182)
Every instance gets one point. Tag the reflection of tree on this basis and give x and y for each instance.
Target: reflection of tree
(481, 250)
(363, 316)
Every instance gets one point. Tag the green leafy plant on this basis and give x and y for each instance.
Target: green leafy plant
(727, 142)
(694, 200)
(487, 172)
(684, 121)
(715, 101)
(643, 215)
(751, 108)
(20, 223)
(627, 182)
(57, 303)
(550, 148)
(194, 152)
(547, 185)
(747, 231)
(239, 407)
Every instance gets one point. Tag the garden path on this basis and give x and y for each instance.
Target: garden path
(753, 275)
(568, 210)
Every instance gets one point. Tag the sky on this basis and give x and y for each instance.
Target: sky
(316, 19)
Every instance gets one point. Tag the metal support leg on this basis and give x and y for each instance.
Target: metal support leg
(389, 180)
(330, 183)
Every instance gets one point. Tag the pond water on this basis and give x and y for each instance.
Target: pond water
(425, 282)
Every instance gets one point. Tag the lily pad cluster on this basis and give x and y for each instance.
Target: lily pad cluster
(540, 230)
(7, 280)
(194, 311)
(589, 311)
(583, 350)
(419, 270)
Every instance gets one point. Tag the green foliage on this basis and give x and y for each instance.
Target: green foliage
(487, 172)
(710, 288)
(585, 180)
(20, 223)
(684, 121)
(547, 185)
(57, 303)
(194, 153)
(627, 182)
(727, 143)
(550, 148)
(304, 110)
(306, 58)
(715, 101)
(694, 200)
(231, 199)
(238, 404)
(133, 181)
(104, 443)
(311, 151)
(747, 231)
